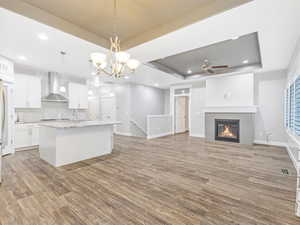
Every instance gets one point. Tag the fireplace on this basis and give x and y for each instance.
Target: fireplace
(227, 130)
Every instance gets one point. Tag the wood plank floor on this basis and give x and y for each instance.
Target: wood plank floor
(172, 180)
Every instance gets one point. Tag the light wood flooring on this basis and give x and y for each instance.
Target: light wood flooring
(172, 180)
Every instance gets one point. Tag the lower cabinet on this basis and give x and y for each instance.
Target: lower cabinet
(26, 136)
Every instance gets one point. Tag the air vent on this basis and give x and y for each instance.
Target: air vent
(285, 171)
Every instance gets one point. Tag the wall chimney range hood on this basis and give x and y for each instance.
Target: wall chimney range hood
(53, 89)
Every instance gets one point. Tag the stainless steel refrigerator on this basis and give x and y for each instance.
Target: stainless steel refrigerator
(3, 122)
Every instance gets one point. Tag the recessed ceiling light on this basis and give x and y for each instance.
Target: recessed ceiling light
(22, 57)
(182, 91)
(246, 61)
(156, 85)
(235, 38)
(93, 73)
(90, 92)
(126, 77)
(43, 36)
(189, 71)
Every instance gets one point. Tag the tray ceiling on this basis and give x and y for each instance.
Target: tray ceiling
(229, 52)
(139, 21)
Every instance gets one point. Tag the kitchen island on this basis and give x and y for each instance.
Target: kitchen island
(67, 142)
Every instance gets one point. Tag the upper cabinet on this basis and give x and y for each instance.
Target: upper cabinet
(27, 91)
(78, 96)
(6, 69)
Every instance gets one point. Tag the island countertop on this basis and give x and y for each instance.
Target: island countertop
(77, 124)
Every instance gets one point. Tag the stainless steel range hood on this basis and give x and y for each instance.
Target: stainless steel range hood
(53, 89)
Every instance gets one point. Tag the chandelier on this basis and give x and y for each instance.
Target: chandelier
(118, 62)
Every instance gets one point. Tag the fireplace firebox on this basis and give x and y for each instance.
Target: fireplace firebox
(227, 130)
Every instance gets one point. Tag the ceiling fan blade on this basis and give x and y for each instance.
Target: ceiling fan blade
(220, 67)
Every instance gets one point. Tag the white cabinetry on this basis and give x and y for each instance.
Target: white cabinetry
(78, 96)
(26, 135)
(27, 91)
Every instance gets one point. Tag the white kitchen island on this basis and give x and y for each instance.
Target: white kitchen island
(67, 142)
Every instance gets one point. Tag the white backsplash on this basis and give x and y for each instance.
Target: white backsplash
(50, 110)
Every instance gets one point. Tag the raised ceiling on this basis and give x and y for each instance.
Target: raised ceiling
(237, 54)
(139, 21)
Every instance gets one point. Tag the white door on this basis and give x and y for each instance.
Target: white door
(108, 108)
(181, 114)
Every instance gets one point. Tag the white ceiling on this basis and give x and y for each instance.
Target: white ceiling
(276, 22)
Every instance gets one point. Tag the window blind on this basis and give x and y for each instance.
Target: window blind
(286, 111)
(297, 106)
(292, 106)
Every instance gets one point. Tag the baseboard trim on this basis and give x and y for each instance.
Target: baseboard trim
(272, 143)
(197, 135)
(291, 155)
(159, 135)
(123, 134)
(33, 147)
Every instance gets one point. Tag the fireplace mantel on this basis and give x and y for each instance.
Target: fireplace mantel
(230, 109)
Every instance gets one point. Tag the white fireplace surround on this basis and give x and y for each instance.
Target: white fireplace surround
(231, 109)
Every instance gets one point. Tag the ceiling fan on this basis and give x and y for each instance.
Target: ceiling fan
(213, 69)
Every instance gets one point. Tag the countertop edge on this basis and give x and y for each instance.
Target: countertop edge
(79, 125)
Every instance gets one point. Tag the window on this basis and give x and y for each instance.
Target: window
(286, 111)
(297, 106)
(292, 106)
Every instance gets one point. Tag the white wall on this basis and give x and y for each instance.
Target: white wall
(133, 102)
(265, 90)
(197, 115)
(294, 67)
(167, 102)
(230, 91)
(123, 102)
(146, 101)
(159, 126)
(269, 96)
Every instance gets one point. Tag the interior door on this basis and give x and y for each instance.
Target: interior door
(108, 108)
(181, 113)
